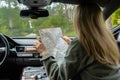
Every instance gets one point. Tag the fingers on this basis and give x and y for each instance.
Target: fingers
(38, 38)
(40, 46)
(37, 44)
(67, 39)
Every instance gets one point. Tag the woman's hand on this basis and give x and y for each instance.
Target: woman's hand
(67, 39)
(40, 47)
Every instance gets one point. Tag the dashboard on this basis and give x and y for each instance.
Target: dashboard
(25, 47)
(22, 51)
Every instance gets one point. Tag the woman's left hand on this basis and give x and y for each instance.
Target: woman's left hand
(40, 47)
(67, 39)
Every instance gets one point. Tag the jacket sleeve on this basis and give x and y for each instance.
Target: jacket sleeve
(74, 61)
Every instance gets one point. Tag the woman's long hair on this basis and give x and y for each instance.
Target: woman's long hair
(93, 35)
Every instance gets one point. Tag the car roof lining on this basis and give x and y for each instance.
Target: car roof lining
(110, 8)
(100, 2)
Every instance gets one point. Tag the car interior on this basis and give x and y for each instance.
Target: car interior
(13, 54)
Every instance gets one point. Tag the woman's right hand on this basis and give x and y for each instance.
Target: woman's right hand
(40, 47)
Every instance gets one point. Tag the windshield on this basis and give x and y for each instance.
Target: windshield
(11, 24)
(60, 15)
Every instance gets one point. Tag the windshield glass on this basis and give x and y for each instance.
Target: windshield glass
(11, 24)
(60, 15)
(116, 18)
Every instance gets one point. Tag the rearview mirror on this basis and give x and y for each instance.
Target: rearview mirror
(34, 13)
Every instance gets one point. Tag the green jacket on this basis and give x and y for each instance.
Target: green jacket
(78, 65)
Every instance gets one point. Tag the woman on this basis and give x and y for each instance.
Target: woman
(94, 55)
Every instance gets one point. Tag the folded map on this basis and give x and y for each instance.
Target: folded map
(52, 39)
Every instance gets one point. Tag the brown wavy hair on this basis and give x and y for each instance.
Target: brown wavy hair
(93, 34)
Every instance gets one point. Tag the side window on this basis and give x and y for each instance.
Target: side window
(113, 20)
(114, 24)
(116, 18)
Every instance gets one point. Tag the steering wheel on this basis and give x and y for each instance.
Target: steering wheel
(4, 51)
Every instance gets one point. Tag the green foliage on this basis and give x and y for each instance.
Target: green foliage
(4, 29)
(116, 17)
(21, 27)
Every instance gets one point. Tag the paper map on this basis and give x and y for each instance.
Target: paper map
(52, 39)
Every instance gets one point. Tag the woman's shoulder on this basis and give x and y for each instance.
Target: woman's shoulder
(75, 40)
(75, 44)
